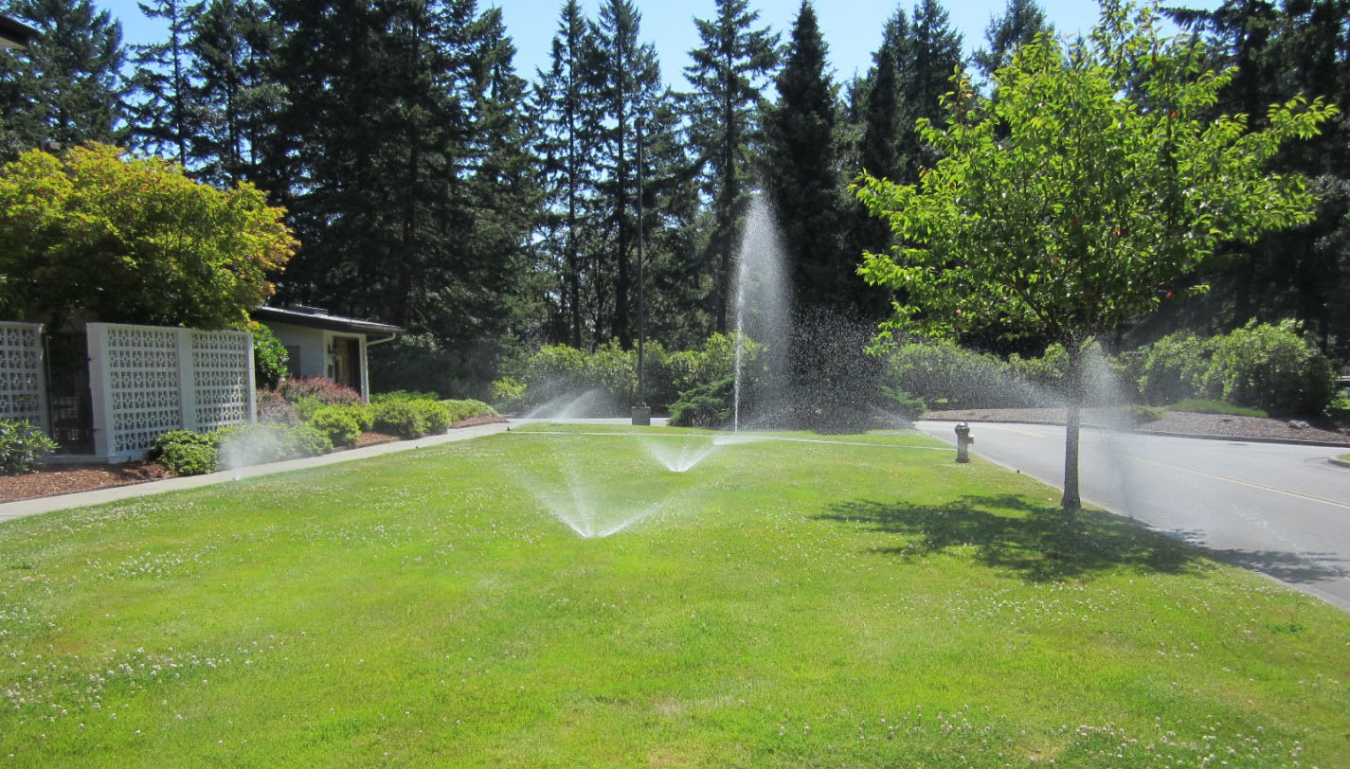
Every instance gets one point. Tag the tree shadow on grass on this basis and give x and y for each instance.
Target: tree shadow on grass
(1035, 541)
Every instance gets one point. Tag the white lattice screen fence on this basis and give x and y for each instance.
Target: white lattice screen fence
(23, 389)
(147, 380)
(222, 370)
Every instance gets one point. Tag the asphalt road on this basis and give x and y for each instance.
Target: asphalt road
(1279, 509)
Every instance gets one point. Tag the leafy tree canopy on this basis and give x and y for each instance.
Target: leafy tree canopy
(1092, 182)
(1101, 195)
(132, 240)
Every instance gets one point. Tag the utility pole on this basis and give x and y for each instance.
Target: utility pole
(642, 413)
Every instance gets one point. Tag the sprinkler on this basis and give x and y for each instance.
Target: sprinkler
(963, 441)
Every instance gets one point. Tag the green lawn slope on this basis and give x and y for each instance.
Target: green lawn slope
(832, 601)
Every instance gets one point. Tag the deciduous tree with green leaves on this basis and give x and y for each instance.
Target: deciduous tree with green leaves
(1092, 182)
(133, 241)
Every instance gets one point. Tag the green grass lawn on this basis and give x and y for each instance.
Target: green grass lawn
(841, 603)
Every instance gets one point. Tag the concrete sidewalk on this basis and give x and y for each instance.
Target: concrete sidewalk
(27, 507)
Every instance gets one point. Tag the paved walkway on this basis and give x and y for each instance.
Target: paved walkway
(27, 507)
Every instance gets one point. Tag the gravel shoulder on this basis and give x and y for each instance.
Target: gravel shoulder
(1172, 423)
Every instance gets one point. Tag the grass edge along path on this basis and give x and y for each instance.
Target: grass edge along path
(777, 604)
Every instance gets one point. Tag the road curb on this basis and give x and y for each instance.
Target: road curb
(1338, 462)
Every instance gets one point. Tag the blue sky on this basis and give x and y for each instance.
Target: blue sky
(852, 28)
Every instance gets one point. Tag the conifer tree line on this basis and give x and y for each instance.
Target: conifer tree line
(434, 185)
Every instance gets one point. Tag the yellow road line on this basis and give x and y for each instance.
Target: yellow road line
(1239, 481)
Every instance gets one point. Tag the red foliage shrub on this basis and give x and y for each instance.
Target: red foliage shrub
(327, 391)
(273, 407)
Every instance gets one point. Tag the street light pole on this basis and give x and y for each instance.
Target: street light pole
(642, 413)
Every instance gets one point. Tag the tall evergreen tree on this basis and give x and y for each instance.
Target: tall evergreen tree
(405, 122)
(1021, 21)
(1277, 52)
(566, 114)
(802, 172)
(66, 88)
(627, 78)
(232, 49)
(728, 78)
(164, 114)
(931, 55)
(502, 197)
(877, 152)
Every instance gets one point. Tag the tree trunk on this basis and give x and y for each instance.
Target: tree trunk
(1072, 503)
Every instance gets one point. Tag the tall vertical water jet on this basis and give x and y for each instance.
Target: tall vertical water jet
(763, 307)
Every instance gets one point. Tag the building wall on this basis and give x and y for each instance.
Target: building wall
(313, 344)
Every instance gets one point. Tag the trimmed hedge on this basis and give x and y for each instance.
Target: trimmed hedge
(190, 453)
(401, 418)
(186, 452)
(338, 423)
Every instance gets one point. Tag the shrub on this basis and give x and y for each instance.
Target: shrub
(306, 405)
(244, 445)
(1271, 367)
(309, 441)
(945, 373)
(911, 407)
(403, 395)
(269, 357)
(435, 415)
(22, 446)
(614, 370)
(401, 418)
(555, 370)
(461, 410)
(508, 393)
(185, 452)
(338, 423)
(271, 407)
(327, 391)
(708, 405)
(1174, 367)
(364, 416)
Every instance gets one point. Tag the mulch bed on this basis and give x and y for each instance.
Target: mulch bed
(1172, 423)
(51, 480)
(68, 479)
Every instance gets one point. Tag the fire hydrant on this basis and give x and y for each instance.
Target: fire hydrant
(963, 441)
